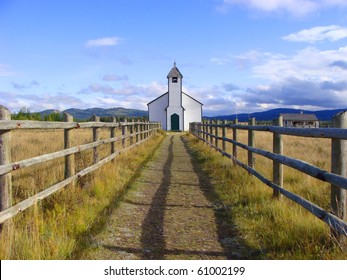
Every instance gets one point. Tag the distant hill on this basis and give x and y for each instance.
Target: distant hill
(83, 114)
(323, 115)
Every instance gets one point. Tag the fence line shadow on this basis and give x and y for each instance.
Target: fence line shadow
(234, 246)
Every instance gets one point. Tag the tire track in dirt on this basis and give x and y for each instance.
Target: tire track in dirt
(170, 212)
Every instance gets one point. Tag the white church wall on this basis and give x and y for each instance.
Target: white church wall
(157, 112)
(194, 112)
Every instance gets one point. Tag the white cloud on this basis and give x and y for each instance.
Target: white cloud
(219, 60)
(318, 33)
(127, 95)
(295, 93)
(217, 100)
(245, 60)
(114, 78)
(25, 86)
(293, 7)
(104, 42)
(307, 64)
(311, 78)
(38, 102)
(4, 70)
(152, 90)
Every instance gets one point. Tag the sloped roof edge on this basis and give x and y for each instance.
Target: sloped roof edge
(192, 98)
(174, 72)
(300, 117)
(158, 98)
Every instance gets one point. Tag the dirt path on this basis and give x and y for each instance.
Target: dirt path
(170, 212)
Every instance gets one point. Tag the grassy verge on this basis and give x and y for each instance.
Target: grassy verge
(58, 227)
(280, 229)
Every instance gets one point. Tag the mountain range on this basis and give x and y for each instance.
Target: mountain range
(83, 114)
(322, 115)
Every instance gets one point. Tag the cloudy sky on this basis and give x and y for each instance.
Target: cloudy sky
(236, 56)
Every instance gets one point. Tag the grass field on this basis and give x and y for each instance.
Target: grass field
(279, 228)
(56, 227)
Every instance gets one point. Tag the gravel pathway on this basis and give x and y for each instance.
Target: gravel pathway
(169, 212)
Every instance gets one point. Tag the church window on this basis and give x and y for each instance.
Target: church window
(174, 79)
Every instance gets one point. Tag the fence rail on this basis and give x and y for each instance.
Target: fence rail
(136, 132)
(337, 219)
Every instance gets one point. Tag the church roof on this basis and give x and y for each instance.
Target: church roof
(174, 72)
(166, 93)
(300, 117)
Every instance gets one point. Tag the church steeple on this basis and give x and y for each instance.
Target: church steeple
(174, 72)
(175, 87)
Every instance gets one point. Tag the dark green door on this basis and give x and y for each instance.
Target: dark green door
(175, 122)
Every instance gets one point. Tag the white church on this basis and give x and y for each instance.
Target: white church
(175, 109)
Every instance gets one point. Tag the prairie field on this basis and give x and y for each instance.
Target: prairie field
(60, 226)
(56, 227)
(280, 229)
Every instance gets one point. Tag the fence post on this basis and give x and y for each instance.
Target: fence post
(137, 130)
(113, 132)
(131, 132)
(216, 133)
(141, 131)
(96, 137)
(278, 167)
(224, 135)
(339, 166)
(124, 132)
(251, 143)
(5, 158)
(211, 132)
(149, 128)
(70, 159)
(235, 139)
(204, 131)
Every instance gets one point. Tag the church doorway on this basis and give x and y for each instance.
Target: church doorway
(175, 122)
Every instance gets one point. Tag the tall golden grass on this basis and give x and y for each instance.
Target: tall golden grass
(58, 227)
(279, 229)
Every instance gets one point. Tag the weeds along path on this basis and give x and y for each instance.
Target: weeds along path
(170, 212)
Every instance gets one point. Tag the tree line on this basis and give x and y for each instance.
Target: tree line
(25, 114)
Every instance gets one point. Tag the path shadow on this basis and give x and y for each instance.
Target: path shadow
(234, 246)
(152, 238)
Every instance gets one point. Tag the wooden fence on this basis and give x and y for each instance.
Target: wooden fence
(336, 217)
(133, 134)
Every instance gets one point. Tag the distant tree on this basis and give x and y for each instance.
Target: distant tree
(107, 119)
(53, 117)
(25, 114)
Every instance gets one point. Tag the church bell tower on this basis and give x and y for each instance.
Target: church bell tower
(175, 109)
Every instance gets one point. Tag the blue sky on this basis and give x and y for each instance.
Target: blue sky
(236, 56)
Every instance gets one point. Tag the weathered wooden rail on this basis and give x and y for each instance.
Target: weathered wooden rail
(136, 132)
(336, 217)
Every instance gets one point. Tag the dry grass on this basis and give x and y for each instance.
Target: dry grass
(55, 228)
(279, 228)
